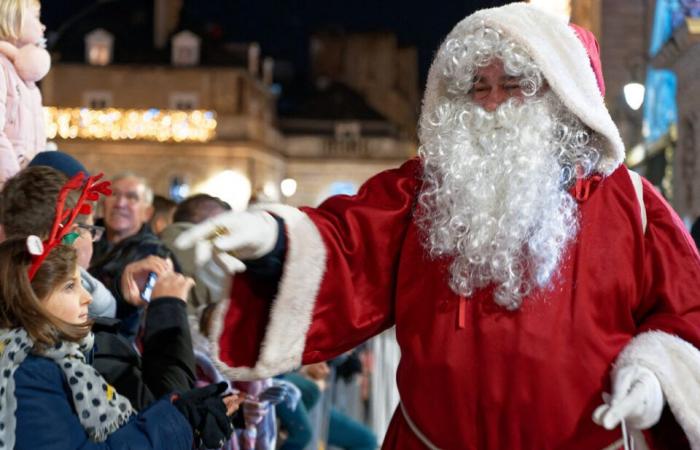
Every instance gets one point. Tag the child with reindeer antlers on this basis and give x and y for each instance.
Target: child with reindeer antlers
(165, 362)
(50, 396)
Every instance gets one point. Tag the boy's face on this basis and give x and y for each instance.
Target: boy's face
(83, 244)
(69, 301)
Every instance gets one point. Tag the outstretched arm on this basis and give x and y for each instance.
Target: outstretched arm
(337, 283)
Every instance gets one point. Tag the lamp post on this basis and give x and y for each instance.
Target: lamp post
(634, 94)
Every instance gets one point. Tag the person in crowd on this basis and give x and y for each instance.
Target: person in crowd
(163, 210)
(23, 62)
(527, 271)
(255, 422)
(198, 208)
(45, 341)
(27, 204)
(127, 239)
(166, 362)
(343, 431)
(51, 397)
(191, 211)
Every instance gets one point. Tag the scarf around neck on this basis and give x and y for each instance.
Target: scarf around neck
(100, 409)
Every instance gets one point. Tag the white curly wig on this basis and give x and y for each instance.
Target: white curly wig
(495, 184)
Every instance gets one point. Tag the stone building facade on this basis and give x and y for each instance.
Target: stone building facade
(681, 54)
(249, 140)
(245, 138)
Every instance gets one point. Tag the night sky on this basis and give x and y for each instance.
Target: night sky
(282, 27)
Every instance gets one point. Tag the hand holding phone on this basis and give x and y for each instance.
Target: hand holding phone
(148, 288)
(136, 276)
(172, 284)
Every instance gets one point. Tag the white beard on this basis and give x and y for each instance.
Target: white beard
(494, 197)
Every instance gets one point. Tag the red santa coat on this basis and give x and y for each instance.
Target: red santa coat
(472, 374)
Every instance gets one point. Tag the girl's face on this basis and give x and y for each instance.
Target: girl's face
(69, 301)
(32, 30)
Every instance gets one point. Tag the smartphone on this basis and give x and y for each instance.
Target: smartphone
(148, 288)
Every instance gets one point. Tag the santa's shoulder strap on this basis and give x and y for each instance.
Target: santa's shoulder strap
(637, 183)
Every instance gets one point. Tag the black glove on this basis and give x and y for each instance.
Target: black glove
(206, 413)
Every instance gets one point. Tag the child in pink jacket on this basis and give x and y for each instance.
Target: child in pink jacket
(23, 62)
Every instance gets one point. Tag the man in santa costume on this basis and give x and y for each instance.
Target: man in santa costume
(527, 271)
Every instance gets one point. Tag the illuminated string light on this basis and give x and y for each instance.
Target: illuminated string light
(130, 124)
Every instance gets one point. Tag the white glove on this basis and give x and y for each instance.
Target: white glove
(637, 399)
(231, 238)
(216, 279)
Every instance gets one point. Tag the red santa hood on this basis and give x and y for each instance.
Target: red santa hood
(568, 58)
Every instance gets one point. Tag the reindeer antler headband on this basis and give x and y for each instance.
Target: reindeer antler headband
(90, 191)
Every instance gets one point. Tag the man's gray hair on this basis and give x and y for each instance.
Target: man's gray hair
(147, 191)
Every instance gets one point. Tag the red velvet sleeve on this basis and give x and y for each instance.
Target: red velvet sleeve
(671, 301)
(363, 235)
(337, 285)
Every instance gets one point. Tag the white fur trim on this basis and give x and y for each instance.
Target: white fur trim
(290, 315)
(639, 191)
(676, 363)
(556, 49)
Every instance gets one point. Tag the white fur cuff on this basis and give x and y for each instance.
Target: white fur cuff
(290, 315)
(676, 363)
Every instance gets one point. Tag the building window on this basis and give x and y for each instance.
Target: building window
(185, 49)
(347, 130)
(183, 100)
(97, 99)
(98, 47)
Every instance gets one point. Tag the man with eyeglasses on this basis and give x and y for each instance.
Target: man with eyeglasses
(127, 238)
(126, 211)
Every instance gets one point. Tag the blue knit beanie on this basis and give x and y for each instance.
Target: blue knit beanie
(60, 161)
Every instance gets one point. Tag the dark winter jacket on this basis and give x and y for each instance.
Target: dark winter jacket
(167, 363)
(108, 262)
(46, 417)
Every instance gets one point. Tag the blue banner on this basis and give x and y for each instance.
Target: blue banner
(660, 110)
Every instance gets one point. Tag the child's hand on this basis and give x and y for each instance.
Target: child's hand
(233, 402)
(135, 274)
(173, 284)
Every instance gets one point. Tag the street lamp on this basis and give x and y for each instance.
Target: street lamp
(288, 186)
(634, 94)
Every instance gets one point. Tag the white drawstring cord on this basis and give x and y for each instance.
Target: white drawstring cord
(627, 439)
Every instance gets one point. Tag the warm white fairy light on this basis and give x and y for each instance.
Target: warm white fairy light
(120, 124)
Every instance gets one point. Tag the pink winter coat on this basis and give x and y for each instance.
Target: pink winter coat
(22, 128)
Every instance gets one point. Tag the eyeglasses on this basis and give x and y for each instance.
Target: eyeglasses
(95, 231)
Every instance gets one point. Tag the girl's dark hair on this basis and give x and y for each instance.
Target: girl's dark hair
(21, 300)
